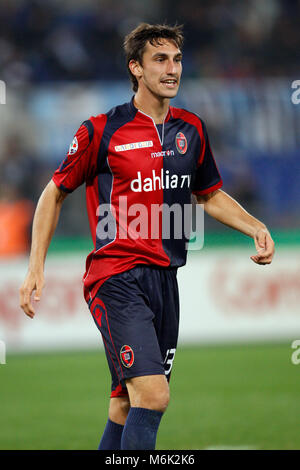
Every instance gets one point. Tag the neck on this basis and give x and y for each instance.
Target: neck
(152, 105)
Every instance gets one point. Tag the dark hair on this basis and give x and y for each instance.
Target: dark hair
(135, 42)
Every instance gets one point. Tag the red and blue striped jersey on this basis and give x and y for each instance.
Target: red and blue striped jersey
(130, 165)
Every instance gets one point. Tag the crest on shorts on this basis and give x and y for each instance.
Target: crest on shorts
(181, 142)
(73, 146)
(127, 356)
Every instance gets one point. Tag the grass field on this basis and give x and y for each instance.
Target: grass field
(236, 396)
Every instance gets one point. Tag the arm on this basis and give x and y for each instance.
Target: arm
(225, 209)
(44, 223)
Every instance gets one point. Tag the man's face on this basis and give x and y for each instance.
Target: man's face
(161, 69)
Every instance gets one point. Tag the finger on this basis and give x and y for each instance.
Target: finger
(267, 258)
(261, 239)
(38, 292)
(258, 256)
(265, 248)
(270, 246)
(28, 309)
(25, 303)
(258, 260)
(266, 253)
(29, 314)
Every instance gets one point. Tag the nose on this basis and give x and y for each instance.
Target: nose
(171, 67)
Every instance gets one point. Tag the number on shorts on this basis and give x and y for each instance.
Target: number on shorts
(168, 362)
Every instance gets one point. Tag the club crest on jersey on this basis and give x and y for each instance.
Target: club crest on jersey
(127, 356)
(73, 146)
(181, 142)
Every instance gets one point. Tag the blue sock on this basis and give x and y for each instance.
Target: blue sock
(111, 438)
(140, 429)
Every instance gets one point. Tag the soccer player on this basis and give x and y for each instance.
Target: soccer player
(138, 156)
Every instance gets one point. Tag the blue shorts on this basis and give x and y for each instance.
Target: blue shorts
(137, 313)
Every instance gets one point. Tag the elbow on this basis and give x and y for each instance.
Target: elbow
(61, 196)
(202, 199)
(56, 193)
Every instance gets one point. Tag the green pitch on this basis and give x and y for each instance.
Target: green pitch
(235, 396)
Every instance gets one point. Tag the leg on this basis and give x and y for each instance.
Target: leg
(150, 391)
(149, 398)
(118, 411)
(123, 314)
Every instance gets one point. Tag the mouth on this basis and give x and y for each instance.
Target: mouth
(169, 82)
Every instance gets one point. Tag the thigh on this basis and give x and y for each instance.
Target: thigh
(166, 320)
(151, 392)
(160, 292)
(125, 321)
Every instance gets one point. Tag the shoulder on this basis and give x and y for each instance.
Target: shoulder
(96, 122)
(190, 117)
(94, 125)
(107, 123)
(115, 113)
(100, 120)
(119, 112)
(115, 118)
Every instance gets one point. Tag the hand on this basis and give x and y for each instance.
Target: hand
(264, 246)
(33, 282)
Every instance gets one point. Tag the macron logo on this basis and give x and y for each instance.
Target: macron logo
(133, 146)
(163, 153)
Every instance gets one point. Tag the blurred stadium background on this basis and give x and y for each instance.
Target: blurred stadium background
(233, 383)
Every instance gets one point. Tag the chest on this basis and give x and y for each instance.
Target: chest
(148, 149)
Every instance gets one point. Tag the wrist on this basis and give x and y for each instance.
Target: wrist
(257, 228)
(36, 266)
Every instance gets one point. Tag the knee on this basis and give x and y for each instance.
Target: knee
(119, 409)
(124, 406)
(154, 397)
(159, 400)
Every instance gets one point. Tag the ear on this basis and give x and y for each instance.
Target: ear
(135, 68)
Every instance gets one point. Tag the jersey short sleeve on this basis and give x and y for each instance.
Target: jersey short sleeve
(207, 178)
(80, 162)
